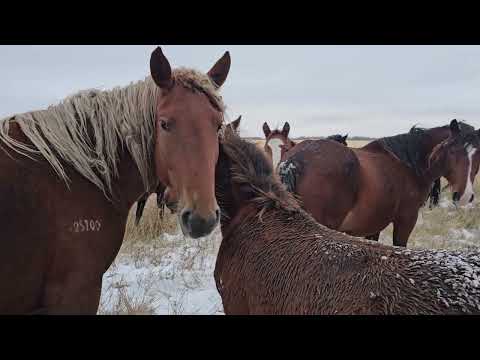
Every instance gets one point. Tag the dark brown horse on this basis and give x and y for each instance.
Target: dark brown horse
(339, 138)
(361, 191)
(276, 259)
(70, 174)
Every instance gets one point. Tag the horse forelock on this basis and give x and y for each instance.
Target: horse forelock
(199, 82)
(86, 130)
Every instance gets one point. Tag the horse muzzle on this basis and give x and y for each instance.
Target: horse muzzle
(196, 226)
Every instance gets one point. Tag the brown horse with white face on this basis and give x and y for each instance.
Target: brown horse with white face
(277, 142)
(70, 174)
(275, 259)
(361, 191)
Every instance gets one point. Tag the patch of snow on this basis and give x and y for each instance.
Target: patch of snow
(179, 282)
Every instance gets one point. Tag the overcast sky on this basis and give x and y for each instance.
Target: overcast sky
(321, 90)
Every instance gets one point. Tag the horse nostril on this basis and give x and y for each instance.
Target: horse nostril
(217, 215)
(186, 217)
(456, 196)
(473, 197)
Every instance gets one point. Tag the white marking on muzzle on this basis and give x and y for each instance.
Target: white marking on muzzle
(467, 194)
(275, 145)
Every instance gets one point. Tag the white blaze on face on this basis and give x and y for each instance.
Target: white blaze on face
(467, 194)
(275, 144)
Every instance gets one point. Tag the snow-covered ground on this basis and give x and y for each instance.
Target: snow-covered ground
(172, 275)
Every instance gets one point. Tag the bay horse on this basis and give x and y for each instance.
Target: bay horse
(360, 191)
(70, 174)
(274, 258)
(437, 185)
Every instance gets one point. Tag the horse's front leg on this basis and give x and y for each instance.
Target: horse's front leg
(402, 228)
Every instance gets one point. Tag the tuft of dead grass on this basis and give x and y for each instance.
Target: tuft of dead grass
(152, 224)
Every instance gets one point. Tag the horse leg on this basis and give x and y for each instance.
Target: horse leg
(435, 193)
(373, 237)
(402, 228)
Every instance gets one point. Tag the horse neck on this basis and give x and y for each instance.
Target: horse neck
(128, 187)
(436, 136)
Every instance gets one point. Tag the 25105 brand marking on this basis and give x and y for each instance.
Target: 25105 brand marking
(86, 225)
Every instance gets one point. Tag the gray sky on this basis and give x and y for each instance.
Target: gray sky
(320, 90)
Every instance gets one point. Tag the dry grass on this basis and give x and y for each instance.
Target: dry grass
(152, 224)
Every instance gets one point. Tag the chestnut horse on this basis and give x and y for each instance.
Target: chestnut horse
(277, 142)
(274, 258)
(166, 197)
(361, 191)
(70, 173)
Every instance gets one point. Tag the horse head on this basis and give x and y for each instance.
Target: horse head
(189, 115)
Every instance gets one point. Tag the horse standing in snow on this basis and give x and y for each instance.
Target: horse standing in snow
(70, 174)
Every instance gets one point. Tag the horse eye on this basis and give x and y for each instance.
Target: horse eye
(164, 125)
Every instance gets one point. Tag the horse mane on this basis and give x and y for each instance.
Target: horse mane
(249, 166)
(86, 130)
(408, 148)
(462, 124)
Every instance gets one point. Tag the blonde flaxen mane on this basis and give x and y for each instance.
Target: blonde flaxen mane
(88, 130)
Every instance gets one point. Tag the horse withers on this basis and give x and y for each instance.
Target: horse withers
(274, 258)
(70, 174)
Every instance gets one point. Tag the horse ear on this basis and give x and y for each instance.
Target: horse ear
(266, 129)
(345, 137)
(454, 127)
(233, 126)
(236, 123)
(286, 129)
(160, 69)
(218, 73)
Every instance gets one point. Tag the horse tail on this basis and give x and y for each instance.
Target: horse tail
(288, 173)
(435, 193)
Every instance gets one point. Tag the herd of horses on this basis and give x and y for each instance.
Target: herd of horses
(292, 215)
